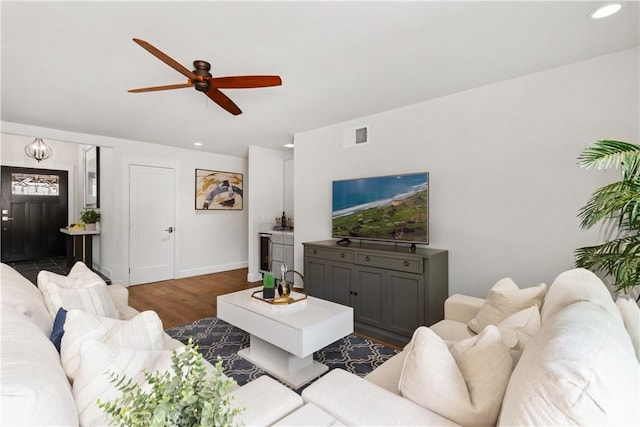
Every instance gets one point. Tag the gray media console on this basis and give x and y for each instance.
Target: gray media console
(391, 289)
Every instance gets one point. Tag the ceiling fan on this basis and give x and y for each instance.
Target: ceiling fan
(203, 81)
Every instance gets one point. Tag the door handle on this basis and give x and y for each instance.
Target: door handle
(170, 229)
(6, 218)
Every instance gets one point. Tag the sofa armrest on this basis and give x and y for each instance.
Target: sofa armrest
(355, 401)
(462, 308)
(119, 295)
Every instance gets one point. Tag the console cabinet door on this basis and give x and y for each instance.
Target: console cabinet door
(405, 302)
(315, 271)
(340, 282)
(369, 296)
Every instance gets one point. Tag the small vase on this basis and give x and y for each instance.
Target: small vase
(90, 227)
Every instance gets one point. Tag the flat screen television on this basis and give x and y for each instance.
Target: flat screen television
(388, 208)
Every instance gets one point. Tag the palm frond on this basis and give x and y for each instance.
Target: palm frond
(617, 200)
(609, 154)
(619, 258)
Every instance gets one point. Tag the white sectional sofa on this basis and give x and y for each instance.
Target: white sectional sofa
(579, 368)
(34, 386)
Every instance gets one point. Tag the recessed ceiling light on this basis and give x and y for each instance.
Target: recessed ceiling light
(198, 144)
(289, 145)
(606, 10)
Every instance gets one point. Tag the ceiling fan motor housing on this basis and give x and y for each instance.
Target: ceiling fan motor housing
(202, 69)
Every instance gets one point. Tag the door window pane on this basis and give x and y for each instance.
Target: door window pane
(35, 184)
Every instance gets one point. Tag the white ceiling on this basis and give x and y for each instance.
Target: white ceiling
(68, 65)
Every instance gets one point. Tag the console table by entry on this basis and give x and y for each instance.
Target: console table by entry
(79, 246)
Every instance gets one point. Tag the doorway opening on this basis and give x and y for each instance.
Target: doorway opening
(34, 206)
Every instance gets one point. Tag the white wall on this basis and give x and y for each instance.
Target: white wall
(265, 199)
(64, 157)
(504, 185)
(206, 242)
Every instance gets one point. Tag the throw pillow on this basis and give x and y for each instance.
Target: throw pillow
(79, 276)
(505, 299)
(517, 329)
(58, 328)
(465, 383)
(631, 318)
(143, 331)
(93, 299)
(97, 361)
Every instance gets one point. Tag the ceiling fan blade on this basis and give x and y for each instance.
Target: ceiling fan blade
(223, 100)
(244, 82)
(167, 59)
(165, 87)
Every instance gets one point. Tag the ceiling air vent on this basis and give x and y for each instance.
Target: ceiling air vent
(355, 136)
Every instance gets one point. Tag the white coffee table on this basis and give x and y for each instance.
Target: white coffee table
(283, 338)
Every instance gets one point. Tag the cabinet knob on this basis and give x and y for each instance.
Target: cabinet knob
(367, 258)
(406, 263)
(315, 252)
(342, 255)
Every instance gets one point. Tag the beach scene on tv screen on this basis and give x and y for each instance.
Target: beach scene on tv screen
(382, 208)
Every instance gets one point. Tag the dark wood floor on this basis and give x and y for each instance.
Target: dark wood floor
(182, 301)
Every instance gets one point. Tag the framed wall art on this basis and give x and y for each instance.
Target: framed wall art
(217, 190)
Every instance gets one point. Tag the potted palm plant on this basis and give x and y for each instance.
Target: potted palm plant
(618, 202)
(90, 217)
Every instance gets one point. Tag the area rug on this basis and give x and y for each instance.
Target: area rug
(215, 337)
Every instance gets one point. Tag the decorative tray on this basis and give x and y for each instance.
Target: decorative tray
(293, 298)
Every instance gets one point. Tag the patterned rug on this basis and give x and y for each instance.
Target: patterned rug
(215, 337)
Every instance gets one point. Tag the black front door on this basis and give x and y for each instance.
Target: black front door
(33, 208)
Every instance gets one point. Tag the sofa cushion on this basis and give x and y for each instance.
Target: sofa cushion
(34, 390)
(504, 299)
(452, 331)
(264, 401)
(464, 383)
(574, 286)
(79, 276)
(143, 332)
(57, 288)
(356, 402)
(387, 374)
(631, 317)
(579, 369)
(517, 329)
(20, 294)
(98, 362)
(93, 299)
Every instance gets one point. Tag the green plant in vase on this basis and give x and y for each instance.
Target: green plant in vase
(619, 202)
(185, 398)
(89, 216)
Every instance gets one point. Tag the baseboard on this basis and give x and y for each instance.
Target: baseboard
(210, 269)
(252, 277)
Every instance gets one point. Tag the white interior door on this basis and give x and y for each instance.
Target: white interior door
(151, 224)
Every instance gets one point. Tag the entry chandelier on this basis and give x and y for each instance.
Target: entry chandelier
(38, 150)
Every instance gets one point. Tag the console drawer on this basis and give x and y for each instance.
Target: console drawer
(334, 255)
(410, 265)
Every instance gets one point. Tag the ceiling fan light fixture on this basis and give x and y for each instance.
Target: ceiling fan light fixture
(605, 10)
(38, 150)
